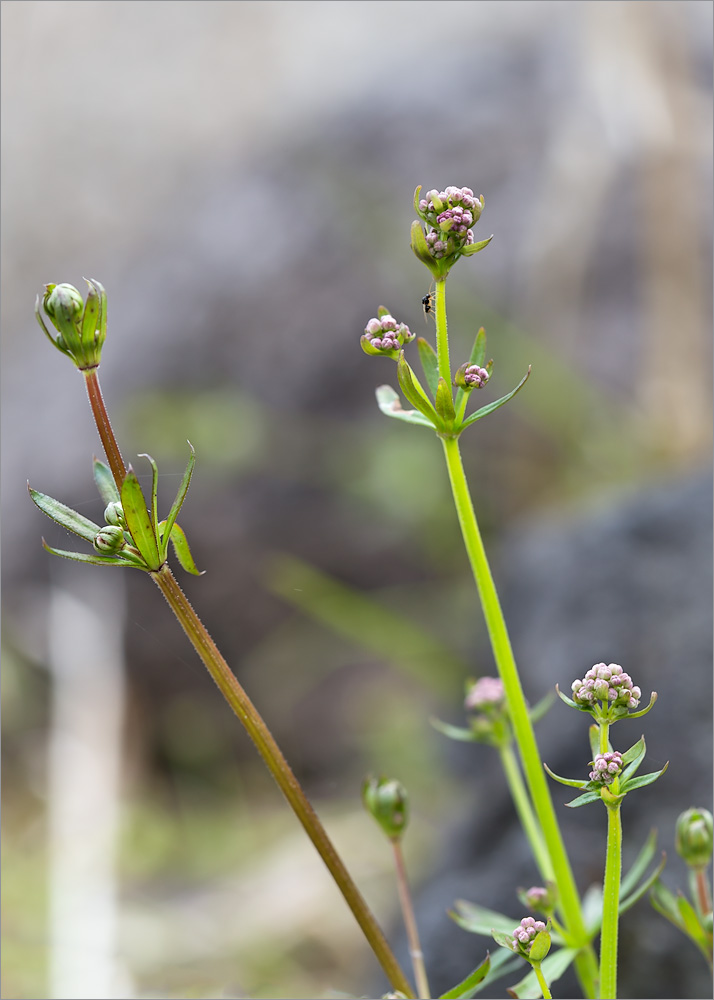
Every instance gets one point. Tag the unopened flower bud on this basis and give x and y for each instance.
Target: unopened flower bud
(524, 938)
(386, 799)
(63, 301)
(486, 694)
(81, 326)
(606, 767)
(110, 540)
(694, 837)
(114, 514)
(469, 377)
(539, 898)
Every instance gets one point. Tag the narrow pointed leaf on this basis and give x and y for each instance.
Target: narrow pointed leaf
(429, 363)
(105, 483)
(571, 782)
(453, 732)
(639, 865)
(391, 405)
(583, 800)
(665, 902)
(592, 908)
(485, 410)
(594, 737)
(154, 508)
(65, 516)
(552, 968)
(85, 557)
(690, 920)
(473, 248)
(181, 548)
(635, 755)
(138, 520)
(445, 404)
(465, 989)
(478, 353)
(643, 711)
(91, 316)
(480, 920)
(409, 384)
(564, 697)
(644, 779)
(178, 503)
(542, 707)
(640, 891)
(421, 248)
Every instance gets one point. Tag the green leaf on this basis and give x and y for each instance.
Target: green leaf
(571, 782)
(409, 384)
(594, 737)
(154, 508)
(65, 516)
(592, 908)
(690, 919)
(473, 248)
(568, 701)
(540, 946)
(479, 920)
(105, 483)
(643, 711)
(177, 505)
(645, 779)
(181, 548)
(453, 732)
(94, 560)
(629, 901)
(634, 757)
(485, 410)
(542, 707)
(583, 800)
(465, 989)
(552, 968)
(444, 403)
(429, 363)
(478, 353)
(639, 865)
(391, 405)
(421, 249)
(138, 520)
(665, 902)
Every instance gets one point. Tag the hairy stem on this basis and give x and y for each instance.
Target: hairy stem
(547, 995)
(104, 427)
(442, 339)
(280, 770)
(405, 900)
(610, 905)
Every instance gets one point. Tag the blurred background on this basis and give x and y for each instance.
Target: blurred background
(239, 176)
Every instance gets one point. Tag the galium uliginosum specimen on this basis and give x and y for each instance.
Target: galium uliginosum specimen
(497, 710)
(134, 536)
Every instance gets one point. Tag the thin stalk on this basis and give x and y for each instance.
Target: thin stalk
(442, 338)
(520, 719)
(610, 905)
(280, 770)
(524, 808)
(701, 892)
(405, 900)
(101, 419)
(547, 995)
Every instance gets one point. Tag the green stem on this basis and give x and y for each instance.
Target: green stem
(610, 905)
(524, 808)
(547, 995)
(604, 736)
(280, 769)
(405, 900)
(520, 719)
(104, 426)
(442, 338)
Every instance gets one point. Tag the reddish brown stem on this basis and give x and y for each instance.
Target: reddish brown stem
(280, 769)
(104, 427)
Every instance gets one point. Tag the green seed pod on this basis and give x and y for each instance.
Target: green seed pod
(387, 801)
(110, 540)
(694, 837)
(114, 514)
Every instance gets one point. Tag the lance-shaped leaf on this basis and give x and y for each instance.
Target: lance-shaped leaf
(692, 924)
(583, 800)
(429, 363)
(542, 707)
(65, 516)
(454, 732)
(633, 758)
(571, 782)
(552, 969)
(568, 701)
(480, 920)
(391, 405)
(629, 901)
(643, 711)
(409, 384)
(124, 560)
(176, 507)
(478, 353)
(594, 737)
(644, 779)
(465, 989)
(138, 521)
(104, 481)
(473, 248)
(445, 404)
(639, 865)
(154, 508)
(485, 410)
(421, 249)
(181, 548)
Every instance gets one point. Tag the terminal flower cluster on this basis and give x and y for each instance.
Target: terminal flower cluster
(606, 683)
(450, 214)
(525, 933)
(606, 767)
(383, 335)
(485, 695)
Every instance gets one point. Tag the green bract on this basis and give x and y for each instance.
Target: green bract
(612, 795)
(81, 326)
(133, 536)
(386, 799)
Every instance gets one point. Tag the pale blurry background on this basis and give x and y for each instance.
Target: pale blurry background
(239, 176)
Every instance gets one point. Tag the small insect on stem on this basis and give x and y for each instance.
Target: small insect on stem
(427, 303)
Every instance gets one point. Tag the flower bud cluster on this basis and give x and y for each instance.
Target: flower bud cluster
(539, 898)
(385, 336)
(449, 216)
(485, 695)
(606, 683)
(524, 934)
(475, 376)
(606, 767)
